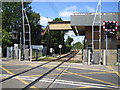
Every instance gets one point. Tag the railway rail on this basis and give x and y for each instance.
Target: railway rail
(69, 56)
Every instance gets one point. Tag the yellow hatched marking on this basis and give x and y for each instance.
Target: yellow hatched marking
(118, 74)
(86, 76)
(70, 73)
(77, 88)
(83, 68)
(23, 81)
(87, 72)
(93, 79)
(110, 67)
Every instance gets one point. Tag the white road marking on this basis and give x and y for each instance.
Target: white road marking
(92, 85)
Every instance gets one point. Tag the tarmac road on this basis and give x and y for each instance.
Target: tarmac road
(75, 75)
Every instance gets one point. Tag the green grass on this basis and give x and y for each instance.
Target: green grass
(75, 61)
(42, 58)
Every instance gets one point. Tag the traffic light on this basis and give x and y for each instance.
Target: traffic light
(110, 25)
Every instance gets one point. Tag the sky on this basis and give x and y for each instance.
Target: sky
(50, 10)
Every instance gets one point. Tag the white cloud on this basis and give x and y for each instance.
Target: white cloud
(44, 20)
(71, 8)
(75, 38)
(90, 9)
(68, 11)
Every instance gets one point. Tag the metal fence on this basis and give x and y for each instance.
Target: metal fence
(10, 52)
(109, 57)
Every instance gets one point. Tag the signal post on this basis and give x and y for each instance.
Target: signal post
(108, 26)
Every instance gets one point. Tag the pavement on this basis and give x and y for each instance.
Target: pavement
(74, 75)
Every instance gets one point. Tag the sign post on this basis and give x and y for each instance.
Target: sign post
(60, 46)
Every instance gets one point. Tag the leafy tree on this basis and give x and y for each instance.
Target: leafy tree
(6, 40)
(12, 21)
(57, 19)
(6, 37)
(56, 37)
(77, 45)
(12, 15)
(34, 18)
(68, 43)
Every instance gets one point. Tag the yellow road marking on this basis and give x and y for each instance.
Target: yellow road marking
(83, 68)
(86, 73)
(23, 81)
(78, 73)
(19, 69)
(66, 66)
(18, 64)
(75, 88)
(32, 65)
(118, 74)
(74, 74)
(69, 73)
(83, 87)
(110, 67)
(93, 79)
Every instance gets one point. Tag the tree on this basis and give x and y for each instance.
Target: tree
(12, 21)
(34, 18)
(56, 37)
(6, 40)
(52, 39)
(77, 45)
(68, 43)
(12, 15)
(57, 19)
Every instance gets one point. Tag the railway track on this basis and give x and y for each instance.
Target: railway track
(69, 56)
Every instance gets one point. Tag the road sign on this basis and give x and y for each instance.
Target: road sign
(60, 46)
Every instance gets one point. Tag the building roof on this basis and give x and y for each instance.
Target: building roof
(80, 21)
(59, 25)
(86, 19)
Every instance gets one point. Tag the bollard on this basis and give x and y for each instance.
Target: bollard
(104, 58)
(89, 57)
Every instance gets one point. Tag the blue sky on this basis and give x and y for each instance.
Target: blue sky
(65, 9)
(50, 10)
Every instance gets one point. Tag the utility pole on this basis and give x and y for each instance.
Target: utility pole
(23, 25)
(20, 48)
(97, 13)
(26, 40)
